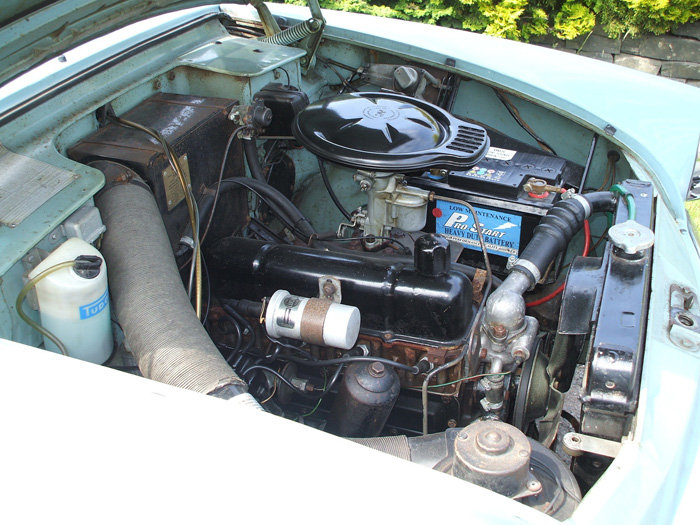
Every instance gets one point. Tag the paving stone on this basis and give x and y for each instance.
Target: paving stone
(546, 40)
(630, 45)
(647, 65)
(595, 44)
(605, 57)
(695, 83)
(691, 30)
(687, 70)
(668, 47)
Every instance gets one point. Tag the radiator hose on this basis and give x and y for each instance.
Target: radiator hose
(159, 323)
(505, 308)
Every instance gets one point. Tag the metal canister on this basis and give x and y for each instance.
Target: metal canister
(365, 399)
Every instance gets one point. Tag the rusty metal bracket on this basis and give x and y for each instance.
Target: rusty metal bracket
(576, 444)
(684, 319)
(329, 288)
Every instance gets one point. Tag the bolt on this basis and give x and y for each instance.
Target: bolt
(463, 436)
(377, 369)
(534, 486)
(610, 384)
(387, 336)
(596, 463)
(483, 353)
(365, 185)
(329, 288)
(519, 353)
(499, 331)
(451, 423)
(523, 453)
(643, 195)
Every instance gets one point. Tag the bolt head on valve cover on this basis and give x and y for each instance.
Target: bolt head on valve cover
(388, 132)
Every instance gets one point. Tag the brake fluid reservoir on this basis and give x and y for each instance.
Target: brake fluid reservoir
(75, 308)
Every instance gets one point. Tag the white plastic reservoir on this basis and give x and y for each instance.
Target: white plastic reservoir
(75, 309)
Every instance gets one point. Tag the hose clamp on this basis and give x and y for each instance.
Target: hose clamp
(530, 267)
(586, 205)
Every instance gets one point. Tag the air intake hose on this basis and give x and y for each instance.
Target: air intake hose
(159, 324)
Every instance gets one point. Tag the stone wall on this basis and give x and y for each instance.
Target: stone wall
(676, 55)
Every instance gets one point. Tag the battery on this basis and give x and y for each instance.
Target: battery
(503, 172)
(506, 212)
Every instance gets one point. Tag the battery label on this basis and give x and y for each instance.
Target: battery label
(501, 230)
(486, 174)
(500, 154)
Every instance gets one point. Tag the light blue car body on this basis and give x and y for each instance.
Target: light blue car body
(656, 122)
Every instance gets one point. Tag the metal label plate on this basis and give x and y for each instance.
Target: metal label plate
(173, 187)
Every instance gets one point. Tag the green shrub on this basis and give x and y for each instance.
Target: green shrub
(521, 20)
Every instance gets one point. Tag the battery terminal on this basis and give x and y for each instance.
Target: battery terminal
(539, 189)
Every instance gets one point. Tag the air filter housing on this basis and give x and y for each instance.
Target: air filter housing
(388, 132)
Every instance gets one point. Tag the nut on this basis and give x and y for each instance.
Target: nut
(534, 486)
(329, 288)
(499, 331)
(376, 369)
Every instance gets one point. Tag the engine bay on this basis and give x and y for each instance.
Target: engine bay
(375, 254)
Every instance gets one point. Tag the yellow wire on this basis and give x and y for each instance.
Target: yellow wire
(274, 390)
(175, 165)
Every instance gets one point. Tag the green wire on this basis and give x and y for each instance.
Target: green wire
(23, 293)
(325, 379)
(469, 378)
(629, 200)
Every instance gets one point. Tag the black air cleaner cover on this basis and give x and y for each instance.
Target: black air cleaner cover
(388, 132)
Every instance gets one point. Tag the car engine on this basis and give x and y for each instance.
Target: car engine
(429, 287)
